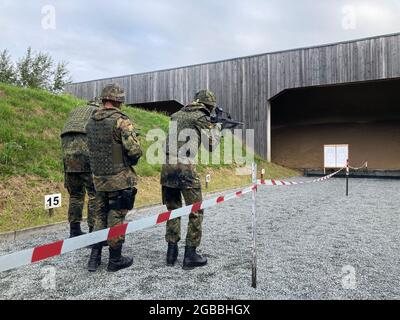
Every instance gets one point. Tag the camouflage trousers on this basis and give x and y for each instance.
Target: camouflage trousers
(172, 198)
(106, 216)
(77, 184)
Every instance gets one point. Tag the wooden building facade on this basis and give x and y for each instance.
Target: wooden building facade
(247, 87)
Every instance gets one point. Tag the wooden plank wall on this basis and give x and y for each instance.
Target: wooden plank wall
(243, 85)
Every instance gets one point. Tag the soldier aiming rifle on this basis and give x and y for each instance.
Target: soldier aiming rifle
(179, 177)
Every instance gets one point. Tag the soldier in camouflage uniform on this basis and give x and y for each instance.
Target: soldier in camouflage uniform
(114, 150)
(179, 177)
(78, 175)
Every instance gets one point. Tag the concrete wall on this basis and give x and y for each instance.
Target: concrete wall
(302, 147)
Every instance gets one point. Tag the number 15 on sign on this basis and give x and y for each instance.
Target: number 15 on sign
(52, 201)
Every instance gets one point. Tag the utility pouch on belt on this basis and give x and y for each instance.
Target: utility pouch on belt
(128, 197)
(124, 201)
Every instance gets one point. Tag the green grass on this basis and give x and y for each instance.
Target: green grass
(31, 121)
(30, 124)
(144, 122)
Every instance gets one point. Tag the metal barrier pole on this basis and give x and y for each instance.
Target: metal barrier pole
(254, 225)
(347, 178)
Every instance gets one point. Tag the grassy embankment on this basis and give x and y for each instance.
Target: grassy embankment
(30, 157)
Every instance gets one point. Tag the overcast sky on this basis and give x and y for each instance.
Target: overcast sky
(102, 38)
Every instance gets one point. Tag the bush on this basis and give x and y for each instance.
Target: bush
(61, 77)
(34, 70)
(7, 70)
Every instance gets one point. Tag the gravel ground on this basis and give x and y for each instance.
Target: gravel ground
(306, 235)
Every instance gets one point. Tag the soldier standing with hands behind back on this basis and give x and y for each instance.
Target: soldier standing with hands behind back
(179, 177)
(114, 150)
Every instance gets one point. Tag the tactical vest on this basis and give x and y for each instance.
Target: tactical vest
(185, 119)
(106, 155)
(78, 119)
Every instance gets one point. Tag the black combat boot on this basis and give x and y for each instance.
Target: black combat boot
(192, 259)
(95, 258)
(117, 260)
(172, 254)
(75, 230)
(90, 229)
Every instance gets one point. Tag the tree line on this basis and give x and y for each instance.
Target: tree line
(34, 70)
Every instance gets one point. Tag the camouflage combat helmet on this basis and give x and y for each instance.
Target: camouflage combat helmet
(94, 102)
(113, 92)
(206, 97)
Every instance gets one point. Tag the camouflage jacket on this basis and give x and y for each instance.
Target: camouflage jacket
(123, 134)
(189, 129)
(74, 142)
(75, 153)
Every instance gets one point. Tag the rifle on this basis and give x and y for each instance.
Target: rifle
(225, 119)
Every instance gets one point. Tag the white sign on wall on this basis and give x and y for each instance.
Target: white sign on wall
(336, 156)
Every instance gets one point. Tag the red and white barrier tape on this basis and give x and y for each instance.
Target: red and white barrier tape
(26, 257)
(29, 256)
(273, 182)
(365, 165)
